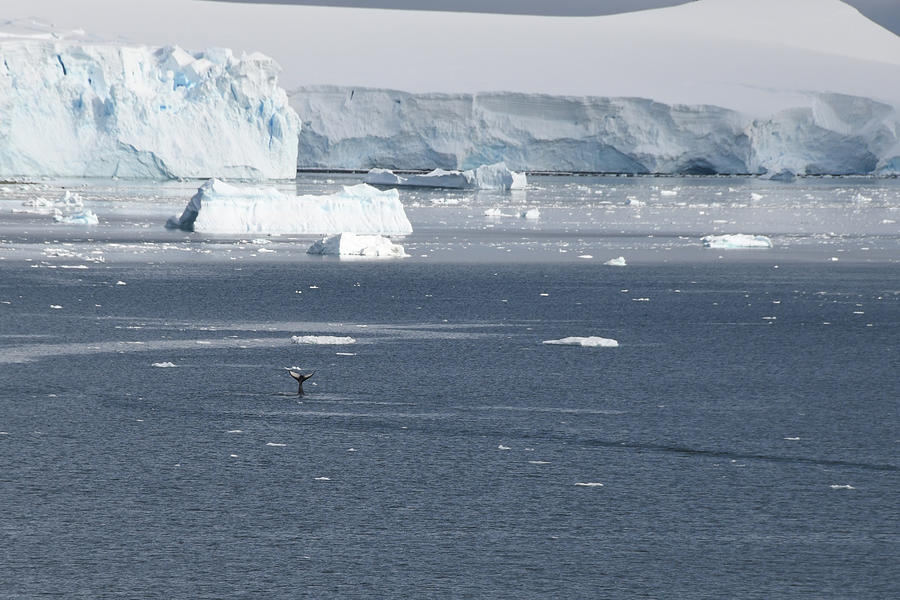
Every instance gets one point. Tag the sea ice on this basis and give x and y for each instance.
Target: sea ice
(351, 244)
(590, 342)
(218, 207)
(163, 365)
(85, 217)
(332, 340)
(531, 213)
(737, 240)
(486, 177)
(616, 262)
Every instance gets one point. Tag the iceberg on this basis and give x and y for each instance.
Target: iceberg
(589, 342)
(817, 133)
(351, 244)
(485, 177)
(736, 240)
(82, 109)
(616, 262)
(85, 217)
(218, 207)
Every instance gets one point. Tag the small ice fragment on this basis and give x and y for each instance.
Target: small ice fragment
(589, 484)
(834, 259)
(322, 339)
(615, 262)
(55, 306)
(351, 449)
(736, 240)
(345, 353)
(842, 487)
(163, 365)
(502, 447)
(121, 283)
(792, 439)
(538, 462)
(544, 294)
(668, 193)
(235, 431)
(588, 342)
(585, 256)
(276, 445)
(323, 478)
(531, 213)
(755, 196)
(233, 455)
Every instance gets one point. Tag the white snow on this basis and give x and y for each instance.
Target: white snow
(490, 177)
(351, 244)
(328, 340)
(589, 342)
(73, 108)
(218, 207)
(736, 240)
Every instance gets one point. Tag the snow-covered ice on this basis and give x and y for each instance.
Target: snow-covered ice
(218, 207)
(351, 244)
(73, 108)
(589, 342)
(486, 177)
(85, 217)
(736, 240)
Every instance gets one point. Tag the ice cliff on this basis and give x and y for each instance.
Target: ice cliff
(75, 108)
(818, 133)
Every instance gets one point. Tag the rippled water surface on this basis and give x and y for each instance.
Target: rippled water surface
(740, 442)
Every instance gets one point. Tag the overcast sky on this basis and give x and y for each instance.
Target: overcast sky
(884, 12)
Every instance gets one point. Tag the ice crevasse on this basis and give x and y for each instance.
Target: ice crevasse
(82, 109)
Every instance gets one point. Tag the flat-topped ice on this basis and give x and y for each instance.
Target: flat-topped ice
(218, 207)
(736, 240)
(485, 177)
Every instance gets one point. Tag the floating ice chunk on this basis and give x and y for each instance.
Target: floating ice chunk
(531, 213)
(585, 256)
(755, 197)
(842, 487)
(163, 365)
(323, 479)
(502, 447)
(218, 207)
(121, 283)
(351, 244)
(589, 484)
(274, 445)
(784, 176)
(589, 342)
(331, 340)
(80, 218)
(616, 262)
(668, 193)
(494, 177)
(736, 240)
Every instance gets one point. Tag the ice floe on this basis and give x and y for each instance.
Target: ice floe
(357, 245)
(616, 262)
(329, 340)
(492, 177)
(736, 240)
(588, 342)
(163, 365)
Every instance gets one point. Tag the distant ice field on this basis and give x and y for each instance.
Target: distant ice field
(643, 219)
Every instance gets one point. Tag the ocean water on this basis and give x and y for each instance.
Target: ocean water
(741, 442)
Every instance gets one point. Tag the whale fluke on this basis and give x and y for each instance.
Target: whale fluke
(300, 377)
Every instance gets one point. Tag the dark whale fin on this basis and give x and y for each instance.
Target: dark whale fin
(300, 377)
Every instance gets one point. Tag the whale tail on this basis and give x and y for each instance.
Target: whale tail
(300, 377)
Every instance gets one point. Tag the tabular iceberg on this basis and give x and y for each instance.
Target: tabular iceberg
(353, 128)
(218, 207)
(485, 177)
(82, 109)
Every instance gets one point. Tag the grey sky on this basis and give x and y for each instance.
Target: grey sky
(884, 12)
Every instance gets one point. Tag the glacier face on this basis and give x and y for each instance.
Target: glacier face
(353, 128)
(97, 110)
